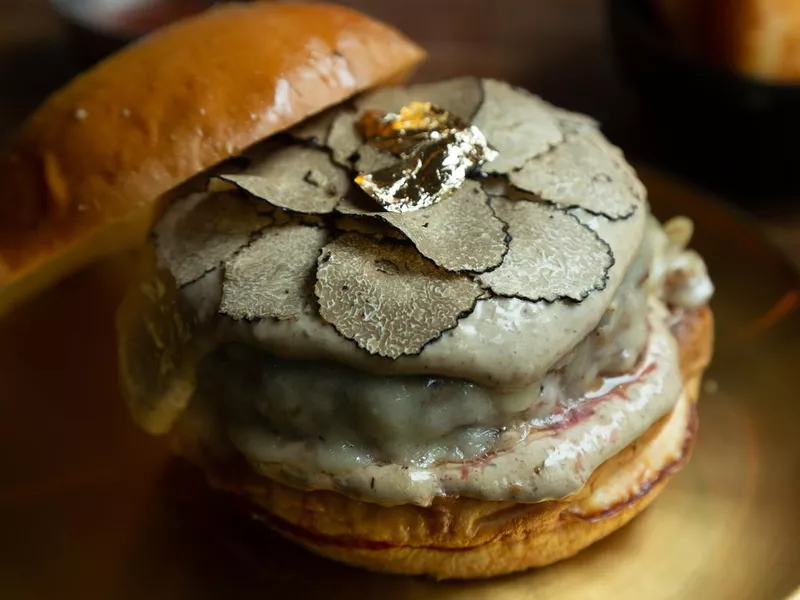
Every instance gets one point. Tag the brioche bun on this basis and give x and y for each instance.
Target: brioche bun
(85, 174)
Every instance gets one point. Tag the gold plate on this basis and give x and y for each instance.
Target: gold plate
(92, 508)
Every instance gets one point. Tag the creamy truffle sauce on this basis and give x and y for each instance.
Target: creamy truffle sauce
(408, 438)
(554, 458)
(350, 417)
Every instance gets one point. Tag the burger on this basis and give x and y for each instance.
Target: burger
(422, 329)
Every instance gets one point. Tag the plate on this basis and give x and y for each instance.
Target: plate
(92, 508)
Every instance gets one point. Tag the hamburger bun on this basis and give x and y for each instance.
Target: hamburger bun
(87, 172)
(471, 388)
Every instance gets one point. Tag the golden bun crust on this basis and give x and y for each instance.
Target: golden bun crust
(758, 38)
(84, 174)
(466, 538)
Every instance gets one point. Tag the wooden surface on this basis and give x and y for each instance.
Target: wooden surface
(559, 49)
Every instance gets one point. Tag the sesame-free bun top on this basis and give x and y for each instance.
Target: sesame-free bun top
(84, 175)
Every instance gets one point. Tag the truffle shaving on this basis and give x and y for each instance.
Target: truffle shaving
(386, 297)
(316, 128)
(296, 178)
(495, 186)
(573, 122)
(581, 173)
(358, 202)
(200, 231)
(551, 255)
(517, 124)
(460, 233)
(371, 159)
(343, 138)
(367, 226)
(629, 176)
(274, 275)
(461, 96)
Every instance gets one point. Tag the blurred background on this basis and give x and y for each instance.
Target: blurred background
(707, 90)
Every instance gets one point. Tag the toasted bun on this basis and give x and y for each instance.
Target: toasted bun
(758, 38)
(466, 538)
(84, 175)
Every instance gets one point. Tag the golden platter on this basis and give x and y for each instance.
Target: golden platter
(91, 508)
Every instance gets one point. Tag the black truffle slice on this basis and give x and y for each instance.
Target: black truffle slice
(316, 128)
(343, 137)
(627, 171)
(274, 275)
(551, 256)
(461, 96)
(358, 202)
(370, 159)
(386, 297)
(495, 186)
(581, 173)
(460, 233)
(573, 122)
(200, 231)
(517, 124)
(367, 226)
(296, 178)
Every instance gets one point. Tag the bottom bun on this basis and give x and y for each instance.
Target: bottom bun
(466, 538)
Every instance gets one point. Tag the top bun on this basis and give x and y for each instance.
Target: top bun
(84, 175)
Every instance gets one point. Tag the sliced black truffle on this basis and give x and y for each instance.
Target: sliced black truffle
(388, 298)
(316, 128)
(551, 256)
(573, 122)
(368, 226)
(274, 275)
(200, 231)
(371, 159)
(460, 233)
(582, 173)
(296, 178)
(495, 186)
(343, 137)
(517, 124)
(461, 96)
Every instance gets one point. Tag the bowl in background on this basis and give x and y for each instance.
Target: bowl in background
(734, 134)
(99, 27)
